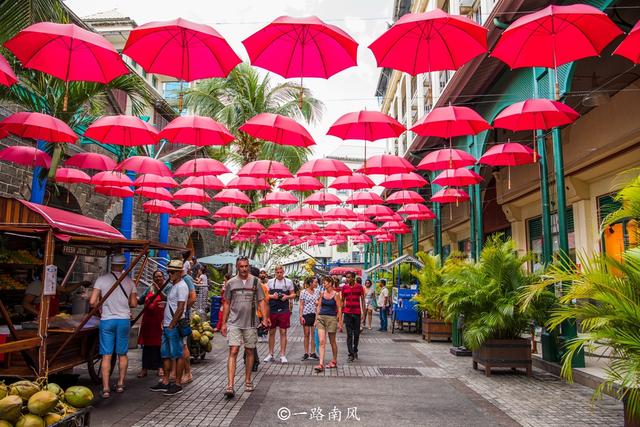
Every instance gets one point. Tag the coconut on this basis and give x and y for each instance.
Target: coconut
(78, 396)
(30, 420)
(209, 334)
(195, 335)
(4, 390)
(209, 347)
(42, 402)
(55, 388)
(196, 318)
(4, 423)
(204, 340)
(24, 389)
(10, 407)
(52, 418)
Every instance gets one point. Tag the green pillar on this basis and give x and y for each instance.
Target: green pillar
(381, 254)
(478, 208)
(472, 222)
(400, 244)
(365, 256)
(416, 237)
(547, 248)
(389, 252)
(437, 230)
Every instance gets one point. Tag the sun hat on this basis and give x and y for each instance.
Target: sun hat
(175, 265)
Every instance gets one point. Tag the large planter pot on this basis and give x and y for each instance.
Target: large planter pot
(435, 329)
(514, 354)
(630, 420)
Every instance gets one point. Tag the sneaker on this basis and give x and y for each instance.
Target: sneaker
(269, 358)
(314, 356)
(355, 355)
(305, 357)
(283, 359)
(350, 359)
(173, 390)
(159, 387)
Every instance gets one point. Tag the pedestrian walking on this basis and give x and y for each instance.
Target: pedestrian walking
(186, 263)
(328, 320)
(175, 326)
(280, 292)
(202, 289)
(383, 304)
(243, 295)
(354, 306)
(308, 303)
(115, 321)
(369, 302)
(227, 276)
(150, 336)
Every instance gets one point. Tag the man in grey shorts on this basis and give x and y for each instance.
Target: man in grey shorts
(243, 294)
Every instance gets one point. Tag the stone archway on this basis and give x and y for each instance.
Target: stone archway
(195, 244)
(60, 197)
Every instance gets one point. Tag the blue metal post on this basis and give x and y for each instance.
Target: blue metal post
(163, 235)
(38, 186)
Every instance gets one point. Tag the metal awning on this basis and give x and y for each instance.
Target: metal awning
(225, 258)
(374, 269)
(401, 260)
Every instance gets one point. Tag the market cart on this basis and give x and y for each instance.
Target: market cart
(50, 240)
(404, 310)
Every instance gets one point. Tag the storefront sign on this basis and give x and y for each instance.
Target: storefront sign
(83, 251)
(50, 280)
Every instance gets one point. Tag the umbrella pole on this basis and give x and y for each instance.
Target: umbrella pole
(535, 149)
(509, 175)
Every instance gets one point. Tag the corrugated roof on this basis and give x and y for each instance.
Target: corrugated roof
(113, 14)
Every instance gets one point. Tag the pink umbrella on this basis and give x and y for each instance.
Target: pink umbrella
(403, 181)
(421, 216)
(404, 197)
(301, 183)
(38, 126)
(111, 178)
(357, 181)
(241, 238)
(279, 198)
(231, 212)
(301, 47)
(191, 209)
(324, 167)
(386, 164)
(181, 49)
(416, 209)
(336, 227)
(204, 182)
(386, 238)
(199, 223)
(309, 228)
(376, 232)
(448, 158)
(224, 225)
(460, 177)
(26, 156)
(278, 129)
(251, 227)
(321, 198)
(279, 227)
(367, 126)
(450, 122)
(430, 41)
(267, 213)
(303, 214)
(535, 114)
(158, 207)
(630, 46)
(199, 167)
(247, 183)
(363, 198)
(384, 218)
(364, 226)
(232, 196)
(7, 76)
(176, 222)
(265, 169)
(339, 214)
(450, 195)
(114, 191)
(153, 180)
(509, 154)
(128, 131)
(72, 176)
(376, 210)
(196, 130)
(158, 193)
(393, 225)
(91, 161)
(191, 194)
(143, 165)
(361, 239)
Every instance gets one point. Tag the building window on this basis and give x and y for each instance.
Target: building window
(619, 236)
(536, 237)
(464, 247)
(343, 247)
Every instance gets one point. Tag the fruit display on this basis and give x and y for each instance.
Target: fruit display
(202, 334)
(8, 282)
(36, 404)
(19, 257)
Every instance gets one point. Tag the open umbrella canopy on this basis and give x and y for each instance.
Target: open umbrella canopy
(630, 46)
(278, 129)
(279, 198)
(279, 227)
(387, 237)
(535, 114)
(71, 176)
(460, 177)
(364, 198)
(361, 239)
(303, 214)
(265, 169)
(232, 196)
(153, 180)
(336, 227)
(203, 166)
(345, 214)
(144, 165)
(421, 217)
(67, 52)
(224, 225)
(321, 198)
(324, 167)
(386, 164)
(450, 122)
(301, 47)
(111, 178)
(251, 227)
(394, 225)
(191, 194)
(447, 158)
(364, 226)
(7, 76)
(416, 209)
(267, 212)
(402, 181)
(431, 41)
(191, 209)
(248, 183)
(404, 197)
(509, 154)
(176, 222)
(301, 183)
(181, 49)
(204, 182)
(231, 212)
(309, 228)
(357, 181)
(158, 207)
(114, 191)
(38, 126)
(128, 131)
(377, 210)
(196, 130)
(384, 218)
(366, 125)
(26, 156)
(199, 223)
(91, 161)
(450, 195)
(158, 193)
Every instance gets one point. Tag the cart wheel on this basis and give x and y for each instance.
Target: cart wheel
(204, 353)
(94, 360)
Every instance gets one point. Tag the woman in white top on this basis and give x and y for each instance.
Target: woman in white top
(308, 300)
(369, 298)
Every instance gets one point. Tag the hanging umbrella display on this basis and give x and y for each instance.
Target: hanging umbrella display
(191, 209)
(450, 195)
(402, 181)
(111, 178)
(324, 167)
(231, 212)
(535, 114)
(7, 76)
(153, 180)
(279, 198)
(191, 194)
(416, 209)
(460, 177)
(71, 176)
(158, 207)
(204, 182)
(509, 154)
(248, 183)
(364, 226)
(384, 218)
(199, 167)
(404, 197)
(91, 161)
(361, 239)
(279, 227)
(224, 225)
(376, 210)
(38, 126)
(322, 199)
(114, 191)
(303, 214)
(450, 122)
(128, 131)
(630, 46)
(267, 212)
(301, 183)
(364, 198)
(199, 223)
(241, 238)
(309, 228)
(357, 181)
(448, 158)
(431, 41)
(366, 125)
(158, 193)
(336, 227)
(232, 196)
(26, 156)
(278, 129)
(197, 131)
(265, 169)
(251, 227)
(176, 222)
(421, 217)
(144, 165)
(337, 214)
(386, 164)
(387, 237)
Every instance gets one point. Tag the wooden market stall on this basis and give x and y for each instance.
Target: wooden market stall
(54, 236)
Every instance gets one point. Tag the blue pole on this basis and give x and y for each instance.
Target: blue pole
(126, 226)
(163, 235)
(38, 186)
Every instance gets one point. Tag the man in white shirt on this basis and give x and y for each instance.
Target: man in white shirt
(115, 320)
(280, 292)
(383, 304)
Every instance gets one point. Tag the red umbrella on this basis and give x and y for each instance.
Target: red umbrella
(421, 216)
(267, 212)
(301, 47)
(91, 161)
(403, 181)
(430, 41)
(363, 198)
(204, 182)
(324, 167)
(509, 154)
(241, 238)
(176, 222)
(265, 169)
(384, 218)
(143, 165)
(7, 76)
(279, 129)
(114, 191)
(450, 195)
(224, 225)
(357, 181)
(336, 227)
(460, 177)
(309, 228)
(340, 214)
(196, 130)
(394, 225)
(416, 209)
(630, 46)
(199, 223)
(26, 156)
(364, 226)
(366, 125)
(191, 209)
(279, 227)
(247, 183)
(386, 238)
(303, 214)
(251, 227)
(279, 198)
(314, 240)
(450, 122)
(448, 158)
(232, 196)
(111, 178)
(386, 164)
(376, 210)
(361, 239)
(38, 126)
(72, 176)
(301, 183)
(153, 180)
(231, 212)
(199, 167)
(181, 49)
(154, 193)
(321, 198)
(191, 194)
(535, 114)
(67, 52)
(158, 207)
(128, 131)
(376, 232)
(404, 197)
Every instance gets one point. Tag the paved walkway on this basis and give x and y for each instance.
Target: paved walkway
(399, 380)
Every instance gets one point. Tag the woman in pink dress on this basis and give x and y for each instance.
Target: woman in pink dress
(151, 328)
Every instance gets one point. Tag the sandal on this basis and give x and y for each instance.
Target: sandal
(332, 365)
(248, 387)
(187, 380)
(119, 388)
(229, 394)
(318, 368)
(105, 394)
(141, 374)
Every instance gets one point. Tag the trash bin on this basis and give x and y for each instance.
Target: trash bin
(216, 305)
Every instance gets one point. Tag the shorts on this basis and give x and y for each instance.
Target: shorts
(280, 320)
(114, 336)
(236, 337)
(328, 323)
(172, 344)
(309, 319)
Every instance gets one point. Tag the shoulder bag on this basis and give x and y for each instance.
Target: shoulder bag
(183, 326)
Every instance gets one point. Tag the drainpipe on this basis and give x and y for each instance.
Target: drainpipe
(415, 235)
(437, 230)
(38, 186)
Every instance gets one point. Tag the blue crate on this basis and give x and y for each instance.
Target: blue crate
(216, 305)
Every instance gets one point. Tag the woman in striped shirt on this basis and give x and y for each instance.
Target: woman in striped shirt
(308, 299)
